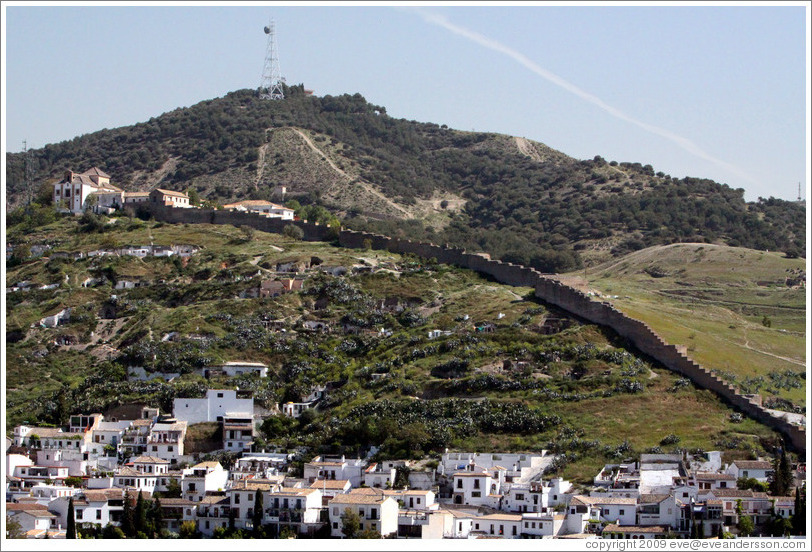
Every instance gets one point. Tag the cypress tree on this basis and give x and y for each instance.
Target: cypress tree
(258, 511)
(70, 532)
(785, 472)
(799, 517)
(157, 516)
(127, 516)
(140, 521)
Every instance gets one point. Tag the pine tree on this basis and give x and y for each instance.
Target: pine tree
(70, 532)
(258, 512)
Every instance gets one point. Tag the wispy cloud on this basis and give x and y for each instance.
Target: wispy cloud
(482, 40)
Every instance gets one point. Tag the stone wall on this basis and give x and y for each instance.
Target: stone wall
(547, 289)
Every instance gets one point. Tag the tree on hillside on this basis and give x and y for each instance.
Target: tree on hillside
(13, 528)
(140, 518)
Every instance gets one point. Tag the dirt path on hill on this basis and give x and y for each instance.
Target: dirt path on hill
(367, 187)
(260, 164)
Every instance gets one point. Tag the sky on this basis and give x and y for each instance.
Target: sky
(709, 91)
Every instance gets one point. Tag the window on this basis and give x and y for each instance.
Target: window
(154, 448)
(476, 483)
(236, 498)
(459, 483)
(79, 514)
(622, 511)
(219, 395)
(476, 494)
(335, 525)
(98, 514)
(170, 448)
(519, 497)
(373, 513)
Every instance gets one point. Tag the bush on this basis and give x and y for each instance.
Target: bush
(294, 232)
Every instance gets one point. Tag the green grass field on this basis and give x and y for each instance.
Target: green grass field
(729, 306)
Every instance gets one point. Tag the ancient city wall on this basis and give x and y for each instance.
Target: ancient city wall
(546, 289)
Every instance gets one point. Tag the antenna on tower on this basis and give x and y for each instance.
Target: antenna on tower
(272, 80)
(799, 192)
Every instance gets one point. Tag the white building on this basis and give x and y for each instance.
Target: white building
(232, 369)
(538, 496)
(213, 408)
(70, 194)
(203, 478)
(335, 468)
(299, 509)
(99, 507)
(757, 469)
(537, 525)
(270, 210)
(376, 475)
(478, 487)
(32, 517)
(169, 198)
(376, 512)
(238, 432)
(166, 440)
(507, 526)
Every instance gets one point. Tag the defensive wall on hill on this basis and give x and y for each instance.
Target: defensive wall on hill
(547, 289)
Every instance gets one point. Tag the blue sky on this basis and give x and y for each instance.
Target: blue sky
(718, 92)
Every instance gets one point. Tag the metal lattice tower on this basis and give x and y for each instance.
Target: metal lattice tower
(271, 86)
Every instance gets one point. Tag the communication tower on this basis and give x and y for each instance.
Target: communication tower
(271, 86)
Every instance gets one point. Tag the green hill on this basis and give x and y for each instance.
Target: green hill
(576, 390)
(516, 199)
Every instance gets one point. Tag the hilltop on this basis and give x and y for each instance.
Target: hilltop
(509, 374)
(516, 199)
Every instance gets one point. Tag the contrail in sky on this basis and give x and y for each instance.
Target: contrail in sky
(684, 143)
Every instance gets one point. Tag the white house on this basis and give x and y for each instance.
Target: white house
(166, 440)
(376, 475)
(99, 507)
(614, 531)
(508, 526)
(14, 460)
(610, 509)
(658, 509)
(376, 512)
(169, 198)
(127, 477)
(232, 369)
(44, 494)
(202, 478)
(32, 516)
(538, 525)
(212, 408)
(271, 210)
(70, 194)
(537, 496)
(478, 487)
(335, 468)
(757, 469)
(296, 508)
(238, 432)
(108, 434)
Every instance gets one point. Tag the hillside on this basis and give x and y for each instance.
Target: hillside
(510, 374)
(513, 198)
(738, 311)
